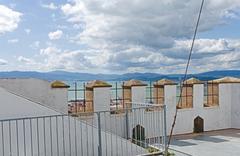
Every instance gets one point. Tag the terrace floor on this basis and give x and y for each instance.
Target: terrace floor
(214, 143)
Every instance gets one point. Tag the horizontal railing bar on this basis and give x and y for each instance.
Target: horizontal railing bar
(34, 117)
(146, 104)
(48, 116)
(150, 106)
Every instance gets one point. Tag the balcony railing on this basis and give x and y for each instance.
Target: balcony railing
(132, 132)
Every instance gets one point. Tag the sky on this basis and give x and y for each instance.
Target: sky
(118, 36)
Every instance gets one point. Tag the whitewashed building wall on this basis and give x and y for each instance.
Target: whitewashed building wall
(235, 108)
(224, 116)
(38, 91)
(101, 99)
(13, 106)
(215, 117)
(138, 94)
(170, 100)
(74, 132)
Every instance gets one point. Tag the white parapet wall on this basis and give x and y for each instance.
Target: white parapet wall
(222, 116)
(219, 117)
(170, 100)
(13, 106)
(215, 117)
(186, 116)
(20, 117)
(138, 94)
(99, 92)
(101, 99)
(225, 115)
(39, 91)
(198, 96)
(235, 108)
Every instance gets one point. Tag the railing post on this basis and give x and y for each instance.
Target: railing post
(75, 88)
(165, 129)
(116, 96)
(127, 124)
(151, 92)
(123, 98)
(99, 135)
(84, 97)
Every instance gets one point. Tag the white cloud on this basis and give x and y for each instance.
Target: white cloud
(148, 35)
(206, 45)
(55, 35)
(49, 51)
(144, 36)
(203, 48)
(208, 54)
(137, 57)
(9, 19)
(15, 40)
(149, 23)
(3, 62)
(25, 60)
(216, 54)
(51, 6)
(65, 60)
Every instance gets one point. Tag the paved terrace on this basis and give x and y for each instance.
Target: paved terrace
(214, 143)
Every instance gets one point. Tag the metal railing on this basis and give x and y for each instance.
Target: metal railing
(77, 95)
(130, 132)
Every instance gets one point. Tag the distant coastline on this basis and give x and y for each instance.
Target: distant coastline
(75, 76)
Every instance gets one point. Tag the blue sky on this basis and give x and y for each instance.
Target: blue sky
(118, 36)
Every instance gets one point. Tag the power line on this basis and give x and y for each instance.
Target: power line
(185, 74)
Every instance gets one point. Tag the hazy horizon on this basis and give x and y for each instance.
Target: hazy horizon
(51, 71)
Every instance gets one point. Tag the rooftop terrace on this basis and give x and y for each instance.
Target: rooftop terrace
(214, 143)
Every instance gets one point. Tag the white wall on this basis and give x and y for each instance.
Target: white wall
(13, 106)
(86, 136)
(138, 94)
(224, 116)
(38, 91)
(101, 99)
(235, 110)
(170, 93)
(217, 117)
(198, 96)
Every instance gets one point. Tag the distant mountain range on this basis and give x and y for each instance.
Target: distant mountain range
(73, 76)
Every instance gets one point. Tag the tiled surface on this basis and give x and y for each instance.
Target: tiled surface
(215, 143)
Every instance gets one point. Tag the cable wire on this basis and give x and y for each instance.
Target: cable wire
(185, 74)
